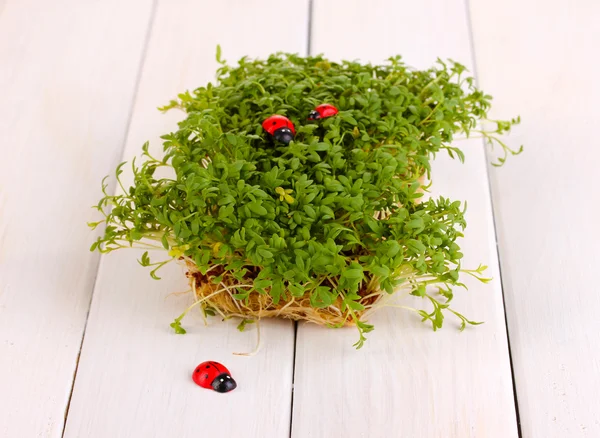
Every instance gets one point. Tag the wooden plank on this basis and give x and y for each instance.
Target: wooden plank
(407, 380)
(540, 64)
(67, 85)
(134, 375)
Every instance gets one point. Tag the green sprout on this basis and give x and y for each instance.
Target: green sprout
(331, 217)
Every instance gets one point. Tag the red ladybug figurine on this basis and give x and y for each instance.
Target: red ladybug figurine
(280, 127)
(213, 375)
(322, 111)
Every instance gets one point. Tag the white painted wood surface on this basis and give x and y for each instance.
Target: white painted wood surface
(67, 76)
(134, 376)
(407, 380)
(542, 64)
(68, 79)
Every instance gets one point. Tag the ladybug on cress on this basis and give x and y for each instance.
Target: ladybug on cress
(322, 111)
(213, 375)
(280, 127)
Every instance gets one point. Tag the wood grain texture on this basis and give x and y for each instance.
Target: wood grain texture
(66, 87)
(538, 63)
(134, 375)
(408, 381)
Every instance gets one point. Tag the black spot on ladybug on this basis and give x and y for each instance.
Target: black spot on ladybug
(198, 370)
(207, 366)
(274, 123)
(206, 376)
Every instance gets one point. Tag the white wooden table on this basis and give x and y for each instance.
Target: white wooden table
(85, 344)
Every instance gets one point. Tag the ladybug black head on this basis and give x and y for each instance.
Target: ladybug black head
(314, 115)
(284, 135)
(224, 383)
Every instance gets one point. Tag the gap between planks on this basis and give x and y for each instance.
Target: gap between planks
(308, 53)
(494, 224)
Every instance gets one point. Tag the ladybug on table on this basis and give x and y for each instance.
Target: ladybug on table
(280, 127)
(213, 375)
(322, 111)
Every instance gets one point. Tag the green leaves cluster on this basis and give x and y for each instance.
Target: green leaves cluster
(333, 215)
